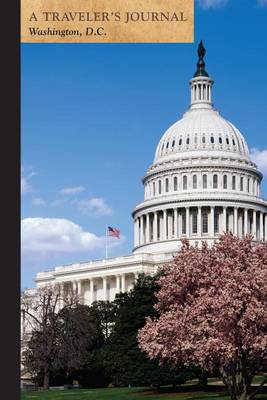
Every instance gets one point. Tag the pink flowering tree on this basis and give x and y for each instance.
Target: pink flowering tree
(213, 312)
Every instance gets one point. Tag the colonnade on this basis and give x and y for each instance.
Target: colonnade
(103, 287)
(199, 221)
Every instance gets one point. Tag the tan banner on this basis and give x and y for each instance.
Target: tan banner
(106, 21)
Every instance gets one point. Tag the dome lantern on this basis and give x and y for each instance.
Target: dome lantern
(201, 84)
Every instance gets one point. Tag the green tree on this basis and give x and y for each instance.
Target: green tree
(121, 356)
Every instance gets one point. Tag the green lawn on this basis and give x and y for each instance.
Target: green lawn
(124, 394)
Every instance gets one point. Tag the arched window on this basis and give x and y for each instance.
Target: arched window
(204, 181)
(173, 143)
(225, 181)
(215, 181)
(187, 140)
(194, 181)
(167, 185)
(227, 140)
(233, 182)
(159, 187)
(241, 183)
(203, 139)
(220, 140)
(248, 185)
(154, 189)
(194, 222)
(184, 182)
(205, 222)
(175, 183)
(195, 140)
(234, 142)
(167, 145)
(212, 139)
(180, 141)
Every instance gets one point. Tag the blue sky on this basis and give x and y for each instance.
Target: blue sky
(92, 115)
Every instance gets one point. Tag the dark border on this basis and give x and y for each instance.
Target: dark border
(10, 198)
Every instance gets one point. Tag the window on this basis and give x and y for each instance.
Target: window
(167, 145)
(212, 139)
(195, 140)
(248, 185)
(167, 185)
(184, 182)
(154, 189)
(227, 140)
(203, 139)
(234, 142)
(205, 222)
(194, 181)
(241, 183)
(233, 182)
(215, 181)
(187, 140)
(183, 224)
(194, 222)
(180, 142)
(175, 183)
(225, 181)
(204, 181)
(220, 140)
(216, 221)
(159, 187)
(173, 143)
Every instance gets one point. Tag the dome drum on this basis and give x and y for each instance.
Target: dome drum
(202, 182)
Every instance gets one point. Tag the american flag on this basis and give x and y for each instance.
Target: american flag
(114, 232)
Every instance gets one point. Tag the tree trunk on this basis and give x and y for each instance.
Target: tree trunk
(237, 385)
(203, 380)
(46, 379)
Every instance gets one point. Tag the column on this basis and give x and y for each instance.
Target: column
(187, 221)
(224, 224)
(141, 230)
(147, 229)
(212, 221)
(245, 221)
(91, 291)
(105, 292)
(179, 224)
(74, 287)
(235, 222)
(123, 283)
(175, 223)
(155, 227)
(136, 232)
(164, 225)
(254, 225)
(261, 226)
(118, 288)
(199, 221)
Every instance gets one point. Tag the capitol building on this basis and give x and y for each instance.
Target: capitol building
(201, 183)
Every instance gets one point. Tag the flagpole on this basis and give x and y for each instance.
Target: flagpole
(106, 242)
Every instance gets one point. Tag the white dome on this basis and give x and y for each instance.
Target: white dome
(201, 131)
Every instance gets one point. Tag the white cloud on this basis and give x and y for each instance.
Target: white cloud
(205, 4)
(95, 206)
(56, 235)
(25, 185)
(37, 201)
(72, 190)
(260, 158)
